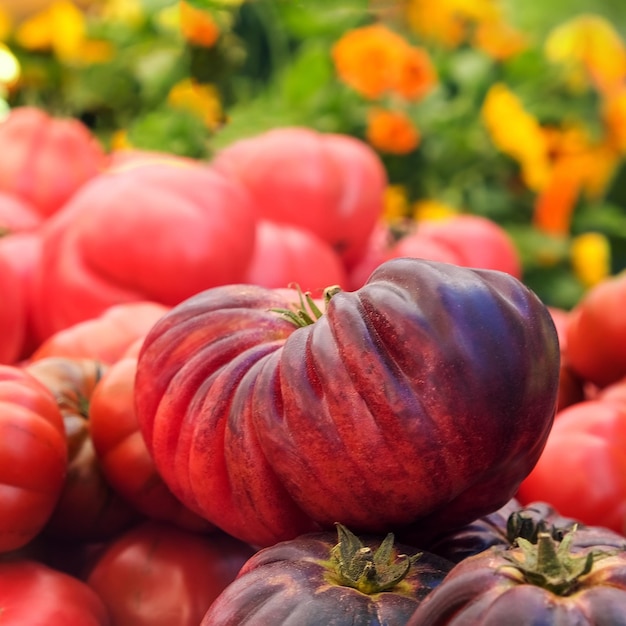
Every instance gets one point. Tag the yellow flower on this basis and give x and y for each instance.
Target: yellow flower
(6, 24)
(450, 22)
(396, 203)
(129, 12)
(591, 50)
(392, 132)
(60, 28)
(431, 209)
(10, 69)
(590, 255)
(517, 133)
(375, 60)
(202, 100)
(436, 20)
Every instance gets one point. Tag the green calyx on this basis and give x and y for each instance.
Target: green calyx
(307, 312)
(550, 563)
(358, 566)
(523, 524)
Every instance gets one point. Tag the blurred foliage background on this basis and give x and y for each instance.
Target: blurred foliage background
(511, 110)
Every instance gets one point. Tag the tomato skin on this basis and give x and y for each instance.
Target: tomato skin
(250, 418)
(596, 333)
(88, 508)
(291, 583)
(330, 184)
(476, 240)
(493, 530)
(286, 255)
(46, 159)
(12, 314)
(100, 249)
(485, 590)
(122, 453)
(157, 575)
(33, 593)
(33, 457)
(106, 337)
(582, 469)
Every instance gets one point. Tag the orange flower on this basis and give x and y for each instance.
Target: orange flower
(374, 60)
(198, 27)
(499, 40)
(391, 131)
(614, 116)
(416, 74)
(555, 204)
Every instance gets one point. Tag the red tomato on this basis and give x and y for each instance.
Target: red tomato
(33, 594)
(23, 251)
(330, 184)
(106, 337)
(155, 231)
(12, 314)
(582, 470)
(476, 240)
(45, 159)
(122, 451)
(17, 215)
(33, 456)
(158, 575)
(88, 508)
(371, 415)
(285, 254)
(596, 333)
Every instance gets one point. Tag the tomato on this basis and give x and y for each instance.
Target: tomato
(582, 470)
(122, 453)
(504, 526)
(596, 333)
(476, 240)
(157, 575)
(158, 231)
(420, 400)
(22, 251)
(35, 594)
(12, 314)
(45, 159)
(33, 456)
(330, 184)
(544, 583)
(104, 338)
(317, 579)
(17, 215)
(285, 255)
(88, 508)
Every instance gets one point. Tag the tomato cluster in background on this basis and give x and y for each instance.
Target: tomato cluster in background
(145, 158)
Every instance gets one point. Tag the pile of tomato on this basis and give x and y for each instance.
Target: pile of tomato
(232, 395)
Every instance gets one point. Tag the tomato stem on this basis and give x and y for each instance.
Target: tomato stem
(306, 312)
(369, 571)
(550, 564)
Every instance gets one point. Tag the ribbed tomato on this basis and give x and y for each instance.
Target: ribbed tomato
(317, 579)
(419, 401)
(543, 583)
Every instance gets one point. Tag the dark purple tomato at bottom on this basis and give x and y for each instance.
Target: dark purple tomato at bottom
(321, 579)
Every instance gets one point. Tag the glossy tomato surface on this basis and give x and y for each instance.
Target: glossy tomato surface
(33, 594)
(33, 456)
(298, 582)
(420, 400)
(158, 575)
